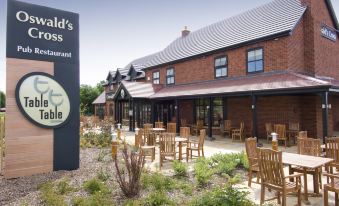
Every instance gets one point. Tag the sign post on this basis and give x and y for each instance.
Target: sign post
(42, 87)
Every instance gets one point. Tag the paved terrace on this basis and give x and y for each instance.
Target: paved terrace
(225, 145)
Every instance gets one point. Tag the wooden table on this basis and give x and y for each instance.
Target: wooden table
(180, 140)
(306, 162)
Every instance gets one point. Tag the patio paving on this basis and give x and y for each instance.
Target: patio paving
(226, 145)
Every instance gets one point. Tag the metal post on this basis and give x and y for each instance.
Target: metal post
(210, 118)
(224, 108)
(152, 113)
(254, 116)
(129, 115)
(324, 106)
(177, 115)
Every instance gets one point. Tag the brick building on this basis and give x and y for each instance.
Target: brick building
(276, 63)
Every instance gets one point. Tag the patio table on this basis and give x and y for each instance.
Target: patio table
(306, 162)
(180, 140)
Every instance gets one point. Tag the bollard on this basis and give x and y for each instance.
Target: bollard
(114, 145)
(136, 138)
(274, 141)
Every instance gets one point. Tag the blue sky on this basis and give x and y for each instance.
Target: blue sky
(114, 32)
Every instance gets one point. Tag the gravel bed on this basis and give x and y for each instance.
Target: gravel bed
(24, 190)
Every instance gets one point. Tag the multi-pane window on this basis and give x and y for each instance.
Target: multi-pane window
(202, 111)
(170, 76)
(255, 60)
(220, 66)
(156, 77)
(217, 111)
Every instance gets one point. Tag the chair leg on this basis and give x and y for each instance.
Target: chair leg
(249, 178)
(279, 198)
(299, 196)
(262, 195)
(325, 196)
(336, 199)
(153, 154)
(320, 179)
(187, 154)
(283, 197)
(202, 151)
(198, 152)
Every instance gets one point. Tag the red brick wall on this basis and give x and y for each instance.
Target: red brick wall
(296, 49)
(240, 110)
(321, 54)
(202, 68)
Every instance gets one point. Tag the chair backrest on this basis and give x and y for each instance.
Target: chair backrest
(268, 128)
(332, 148)
(167, 143)
(271, 167)
(242, 126)
(183, 122)
(159, 125)
(294, 126)
(227, 124)
(171, 127)
(302, 134)
(280, 129)
(185, 132)
(202, 137)
(200, 123)
(251, 149)
(138, 139)
(148, 126)
(309, 146)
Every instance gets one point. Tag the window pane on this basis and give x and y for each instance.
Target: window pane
(223, 61)
(258, 54)
(156, 75)
(259, 65)
(251, 56)
(216, 62)
(169, 72)
(220, 62)
(218, 73)
(224, 72)
(251, 67)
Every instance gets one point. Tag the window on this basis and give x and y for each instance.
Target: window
(220, 66)
(156, 77)
(170, 76)
(202, 111)
(111, 87)
(255, 60)
(217, 111)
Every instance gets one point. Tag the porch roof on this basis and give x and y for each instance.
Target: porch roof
(272, 81)
(138, 89)
(101, 99)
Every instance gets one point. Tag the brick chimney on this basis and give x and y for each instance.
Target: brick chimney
(185, 32)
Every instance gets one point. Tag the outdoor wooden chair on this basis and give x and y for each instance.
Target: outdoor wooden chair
(273, 177)
(332, 151)
(280, 129)
(269, 130)
(332, 186)
(159, 125)
(293, 130)
(302, 134)
(196, 145)
(183, 122)
(199, 126)
(311, 147)
(145, 150)
(252, 156)
(148, 126)
(172, 128)
(238, 133)
(167, 146)
(228, 127)
(185, 132)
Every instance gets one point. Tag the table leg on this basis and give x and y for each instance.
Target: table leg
(180, 151)
(307, 202)
(316, 181)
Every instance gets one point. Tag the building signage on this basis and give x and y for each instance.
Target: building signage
(43, 100)
(329, 33)
(42, 72)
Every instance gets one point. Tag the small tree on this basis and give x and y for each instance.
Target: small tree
(129, 172)
(2, 99)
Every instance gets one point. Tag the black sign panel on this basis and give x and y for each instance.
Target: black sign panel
(42, 33)
(329, 33)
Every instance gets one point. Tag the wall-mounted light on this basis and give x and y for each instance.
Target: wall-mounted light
(207, 107)
(130, 112)
(323, 106)
(175, 107)
(253, 106)
(329, 106)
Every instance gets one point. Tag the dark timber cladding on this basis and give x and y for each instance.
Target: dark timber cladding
(271, 64)
(53, 44)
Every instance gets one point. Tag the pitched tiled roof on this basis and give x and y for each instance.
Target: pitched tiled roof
(139, 89)
(101, 99)
(138, 64)
(278, 17)
(254, 83)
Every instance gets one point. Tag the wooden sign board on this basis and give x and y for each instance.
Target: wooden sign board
(42, 90)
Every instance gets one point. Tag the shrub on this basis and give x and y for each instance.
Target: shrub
(202, 171)
(49, 196)
(102, 155)
(227, 163)
(223, 196)
(157, 181)
(128, 175)
(97, 199)
(93, 186)
(180, 169)
(187, 188)
(91, 139)
(158, 198)
(63, 187)
(103, 175)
